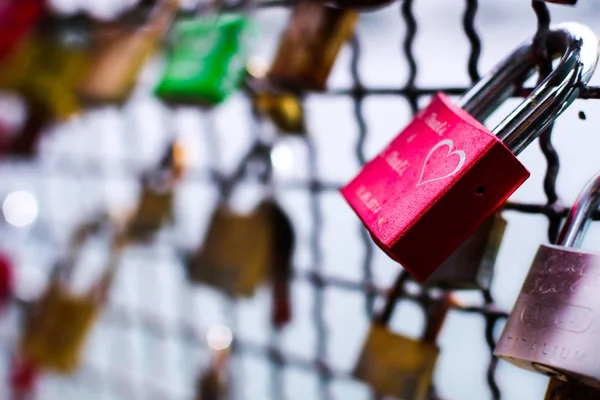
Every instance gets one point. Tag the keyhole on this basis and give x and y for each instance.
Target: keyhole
(479, 190)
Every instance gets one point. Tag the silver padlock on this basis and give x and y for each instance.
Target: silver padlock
(471, 266)
(553, 328)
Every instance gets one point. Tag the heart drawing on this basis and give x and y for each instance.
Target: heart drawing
(451, 152)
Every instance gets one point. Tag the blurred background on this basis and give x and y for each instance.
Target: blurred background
(158, 332)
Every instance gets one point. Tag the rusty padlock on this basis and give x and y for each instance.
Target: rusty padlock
(310, 45)
(446, 173)
(552, 328)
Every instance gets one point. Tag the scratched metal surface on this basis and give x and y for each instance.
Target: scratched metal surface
(150, 342)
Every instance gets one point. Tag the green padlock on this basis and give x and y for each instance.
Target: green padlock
(206, 59)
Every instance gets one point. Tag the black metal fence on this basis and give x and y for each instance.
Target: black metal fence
(118, 383)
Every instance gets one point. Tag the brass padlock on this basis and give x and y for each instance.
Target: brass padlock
(471, 266)
(235, 256)
(61, 61)
(59, 323)
(120, 52)
(283, 108)
(400, 366)
(49, 64)
(310, 45)
(155, 208)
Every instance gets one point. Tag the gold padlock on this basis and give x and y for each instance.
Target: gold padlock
(49, 64)
(58, 325)
(155, 208)
(120, 52)
(310, 45)
(284, 109)
(235, 256)
(400, 366)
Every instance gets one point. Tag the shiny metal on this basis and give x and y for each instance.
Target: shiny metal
(580, 216)
(554, 327)
(577, 47)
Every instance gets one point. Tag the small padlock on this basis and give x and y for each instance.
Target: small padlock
(17, 19)
(310, 45)
(236, 254)
(61, 61)
(552, 328)
(283, 108)
(55, 331)
(156, 201)
(446, 173)
(120, 52)
(207, 59)
(471, 266)
(400, 366)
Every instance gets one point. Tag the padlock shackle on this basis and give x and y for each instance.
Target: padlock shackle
(577, 47)
(580, 216)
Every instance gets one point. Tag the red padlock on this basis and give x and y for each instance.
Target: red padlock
(17, 19)
(446, 173)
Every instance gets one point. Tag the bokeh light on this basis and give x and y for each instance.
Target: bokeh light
(20, 208)
(219, 337)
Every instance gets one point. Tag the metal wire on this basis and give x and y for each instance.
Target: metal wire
(182, 330)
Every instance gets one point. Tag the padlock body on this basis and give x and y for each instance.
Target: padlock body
(433, 185)
(471, 266)
(552, 328)
(310, 45)
(237, 252)
(208, 59)
(55, 334)
(396, 365)
(154, 211)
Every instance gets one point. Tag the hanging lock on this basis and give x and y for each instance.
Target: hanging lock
(155, 209)
(263, 242)
(207, 59)
(61, 61)
(310, 45)
(471, 266)
(552, 328)
(282, 107)
(120, 52)
(446, 173)
(55, 331)
(399, 366)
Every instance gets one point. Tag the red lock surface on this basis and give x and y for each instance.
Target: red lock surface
(433, 185)
(17, 19)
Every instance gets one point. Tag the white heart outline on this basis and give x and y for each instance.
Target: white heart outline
(450, 144)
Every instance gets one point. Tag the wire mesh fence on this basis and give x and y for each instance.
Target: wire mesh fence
(150, 340)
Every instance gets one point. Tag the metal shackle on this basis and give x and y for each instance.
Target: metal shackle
(580, 216)
(577, 47)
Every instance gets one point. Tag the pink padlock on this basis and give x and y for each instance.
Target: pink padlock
(437, 181)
